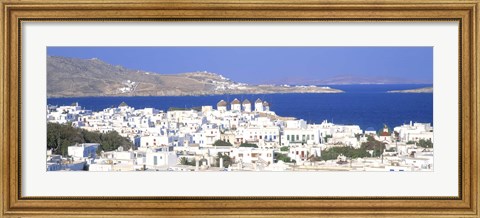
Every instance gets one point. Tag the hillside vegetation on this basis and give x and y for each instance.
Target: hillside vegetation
(60, 136)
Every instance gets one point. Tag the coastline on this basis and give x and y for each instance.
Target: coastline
(334, 91)
(357, 105)
(419, 90)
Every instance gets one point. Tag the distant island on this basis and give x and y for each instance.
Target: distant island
(72, 77)
(419, 90)
(347, 80)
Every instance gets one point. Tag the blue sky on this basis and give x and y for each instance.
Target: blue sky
(257, 65)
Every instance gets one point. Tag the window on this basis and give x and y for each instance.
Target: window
(288, 137)
(155, 161)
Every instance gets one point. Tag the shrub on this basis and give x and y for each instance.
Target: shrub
(221, 143)
(248, 145)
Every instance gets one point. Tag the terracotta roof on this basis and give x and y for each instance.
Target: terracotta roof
(246, 101)
(222, 103)
(235, 101)
(384, 134)
(258, 101)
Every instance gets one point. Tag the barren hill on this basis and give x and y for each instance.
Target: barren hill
(71, 77)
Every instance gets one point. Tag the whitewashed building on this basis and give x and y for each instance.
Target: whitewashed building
(84, 150)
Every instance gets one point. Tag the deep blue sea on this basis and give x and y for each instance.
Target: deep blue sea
(363, 105)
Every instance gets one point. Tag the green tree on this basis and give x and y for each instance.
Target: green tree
(227, 161)
(185, 161)
(358, 135)
(425, 143)
(60, 136)
(285, 148)
(221, 143)
(372, 144)
(334, 152)
(248, 145)
(112, 140)
(282, 157)
(91, 137)
(327, 137)
(391, 149)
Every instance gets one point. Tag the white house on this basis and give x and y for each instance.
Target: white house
(154, 141)
(160, 159)
(300, 136)
(252, 155)
(84, 150)
(261, 134)
(415, 131)
(295, 124)
(211, 134)
(301, 154)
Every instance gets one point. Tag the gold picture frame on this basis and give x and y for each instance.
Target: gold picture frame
(14, 12)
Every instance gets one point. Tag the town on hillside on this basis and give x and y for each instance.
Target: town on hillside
(233, 136)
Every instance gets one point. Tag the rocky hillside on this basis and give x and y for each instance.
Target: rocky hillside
(70, 77)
